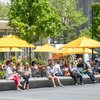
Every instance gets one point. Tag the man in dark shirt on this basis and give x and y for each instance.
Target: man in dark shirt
(80, 66)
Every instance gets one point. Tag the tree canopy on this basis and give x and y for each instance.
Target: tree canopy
(4, 9)
(71, 16)
(34, 19)
(96, 20)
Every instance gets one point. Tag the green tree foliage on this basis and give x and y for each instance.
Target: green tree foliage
(86, 32)
(34, 19)
(96, 20)
(4, 9)
(71, 16)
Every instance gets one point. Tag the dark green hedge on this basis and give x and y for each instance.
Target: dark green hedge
(96, 20)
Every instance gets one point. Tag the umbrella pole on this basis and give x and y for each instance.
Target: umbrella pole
(92, 54)
(84, 56)
(10, 52)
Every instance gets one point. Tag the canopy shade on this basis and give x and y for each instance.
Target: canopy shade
(82, 42)
(10, 50)
(76, 51)
(11, 41)
(46, 48)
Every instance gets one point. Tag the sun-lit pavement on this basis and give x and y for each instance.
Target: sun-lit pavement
(84, 92)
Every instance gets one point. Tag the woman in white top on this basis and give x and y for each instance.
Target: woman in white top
(57, 69)
(12, 75)
(51, 75)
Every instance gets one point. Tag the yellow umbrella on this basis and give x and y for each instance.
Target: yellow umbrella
(12, 50)
(76, 51)
(82, 42)
(83, 51)
(46, 48)
(11, 41)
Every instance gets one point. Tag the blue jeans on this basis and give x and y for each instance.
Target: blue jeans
(91, 75)
(26, 78)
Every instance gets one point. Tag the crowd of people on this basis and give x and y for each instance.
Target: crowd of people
(73, 68)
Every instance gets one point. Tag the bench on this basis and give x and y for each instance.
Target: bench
(43, 82)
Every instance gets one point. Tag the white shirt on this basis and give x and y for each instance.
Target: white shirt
(9, 72)
(57, 69)
(49, 71)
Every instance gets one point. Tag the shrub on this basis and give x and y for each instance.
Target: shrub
(14, 59)
(2, 74)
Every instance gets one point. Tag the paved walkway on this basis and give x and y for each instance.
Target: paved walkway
(84, 92)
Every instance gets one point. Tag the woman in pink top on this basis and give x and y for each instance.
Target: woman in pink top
(26, 75)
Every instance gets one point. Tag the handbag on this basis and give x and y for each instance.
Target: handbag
(67, 73)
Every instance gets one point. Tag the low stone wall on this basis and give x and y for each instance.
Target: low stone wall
(43, 82)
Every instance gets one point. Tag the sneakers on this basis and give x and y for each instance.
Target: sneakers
(61, 85)
(55, 86)
(80, 84)
(94, 81)
(18, 89)
(76, 84)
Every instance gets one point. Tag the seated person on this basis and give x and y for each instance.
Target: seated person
(19, 69)
(26, 75)
(65, 69)
(51, 75)
(42, 70)
(88, 71)
(12, 75)
(34, 69)
(98, 66)
(74, 73)
(80, 66)
(57, 69)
